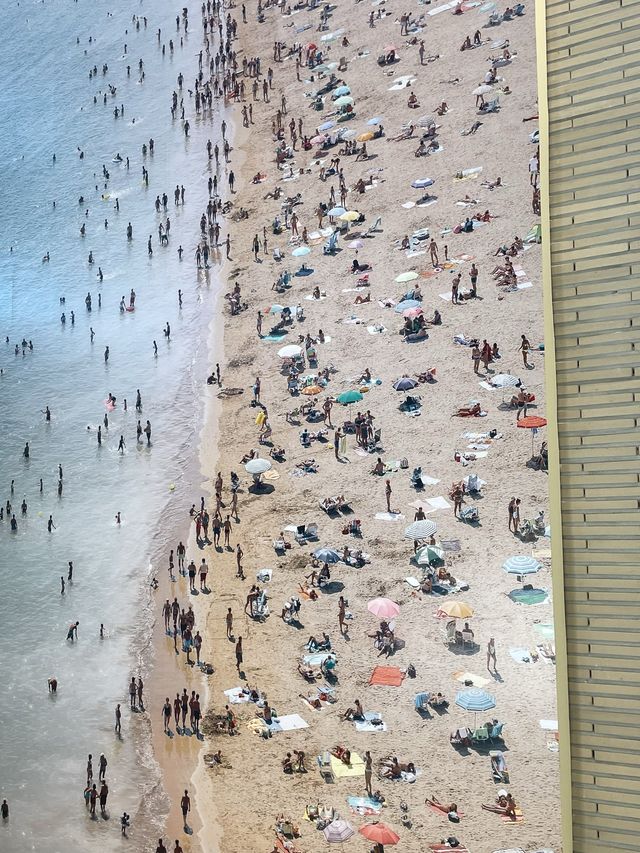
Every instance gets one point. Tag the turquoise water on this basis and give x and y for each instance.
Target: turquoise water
(46, 103)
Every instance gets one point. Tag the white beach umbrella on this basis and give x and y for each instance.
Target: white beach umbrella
(504, 380)
(257, 466)
(482, 89)
(290, 351)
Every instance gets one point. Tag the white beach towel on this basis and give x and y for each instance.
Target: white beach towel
(288, 723)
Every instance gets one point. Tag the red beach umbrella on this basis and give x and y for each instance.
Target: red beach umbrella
(379, 832)
(534, 423)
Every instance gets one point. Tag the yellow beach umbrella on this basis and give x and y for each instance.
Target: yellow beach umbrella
(350, 216)
(457, 609)
(365, 137)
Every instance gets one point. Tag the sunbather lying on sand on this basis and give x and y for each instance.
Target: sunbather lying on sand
(468, 411)
(450, 809)
(404, 134)
(308, 673)
(342, 753)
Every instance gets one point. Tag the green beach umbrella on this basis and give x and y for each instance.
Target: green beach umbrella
(348, 397)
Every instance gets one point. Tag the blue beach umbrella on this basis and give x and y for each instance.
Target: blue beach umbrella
(301, 251)
(521, 565)
(341, 90)
(327, 555)
(475, 699)
(326, 126)
(375, 120)
(349, 397)
(337, 211)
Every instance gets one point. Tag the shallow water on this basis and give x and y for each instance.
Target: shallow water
(46, 100)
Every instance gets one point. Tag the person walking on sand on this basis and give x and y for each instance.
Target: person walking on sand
(342, 612)
(185, 805)
(387, 494)
(238, 653)
(239, 556)
(336, 443)
(368, 761)
(166, 715)
(433, 252)
(133, 692)
(491, 654)
(524, 348)
(229, 621)
(511, 509)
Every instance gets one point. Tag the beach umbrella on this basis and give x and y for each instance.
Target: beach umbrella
(347, 133)
(412, 312)
(421, 183)
(311, 390)
(420, 529)
(425, 121)
(429, 554)
(301, 251)
(349, 397)
(290, 351)
(342, 90)
(338, 831)
(350, 216)
(410, 275)
(403, 306)
(379, 833)
(276, 309)
(312, 46)
(482, 89)
(337, 211)
(374, 121)
(504, 380)
(327, 125)
(383, 608)
(356, 244)
(521, 565)
(534, 423)
(319, 139)
(405, 383)
(475, 699)
(456, 610)
(365, 136)
(344, 101)
(327, 555)
(257, 466)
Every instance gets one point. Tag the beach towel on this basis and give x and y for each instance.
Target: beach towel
(378, 329)
(519, 818)
(364, 805)
(446, 848)
(389, 516)
(476, 680)
(438, 502)
(452, 545)
(288, 723)
(549, 725)
(342, 771)
(520, 655)
(389, 676)
(414, 583)
(367, 725)
(236, 696)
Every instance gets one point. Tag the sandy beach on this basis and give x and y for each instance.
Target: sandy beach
(242, 801)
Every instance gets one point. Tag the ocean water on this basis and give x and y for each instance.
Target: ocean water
(47, 107)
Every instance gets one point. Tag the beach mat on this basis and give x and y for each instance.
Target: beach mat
(342, 771)
(446, 848)
(389, 676)
(477, 680)
(288, 723)
(364, 805)
(367, 725)
(235, 696)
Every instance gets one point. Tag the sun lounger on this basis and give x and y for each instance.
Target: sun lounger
(376, 225)
(330, 246)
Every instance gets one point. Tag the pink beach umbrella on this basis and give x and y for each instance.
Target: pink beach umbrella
(383, 608)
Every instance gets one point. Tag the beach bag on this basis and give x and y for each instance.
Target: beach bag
(404, 463)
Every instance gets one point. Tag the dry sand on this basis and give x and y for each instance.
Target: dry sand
(245, 796)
